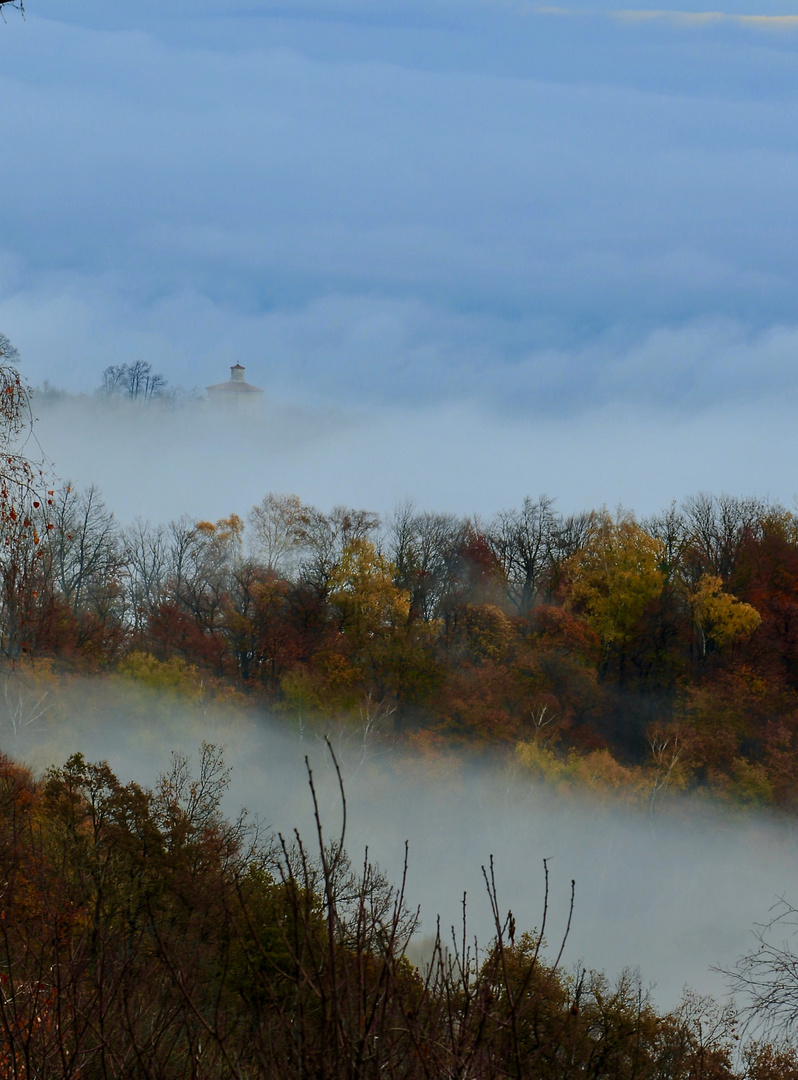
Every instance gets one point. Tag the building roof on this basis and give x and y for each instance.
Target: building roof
(230, 387)
(235, 384)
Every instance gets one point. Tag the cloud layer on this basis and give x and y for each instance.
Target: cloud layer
(548, 214)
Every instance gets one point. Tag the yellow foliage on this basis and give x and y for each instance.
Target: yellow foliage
(749, 783)
(364, 592)
(540, 761)
(722, 617)
(301, 692)
(173, 674)
(330, 686)
(229, 528)
(599, 771)
(615, 576)
(488, 630)
(596, 772)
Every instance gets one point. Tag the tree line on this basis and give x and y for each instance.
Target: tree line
(668, 645)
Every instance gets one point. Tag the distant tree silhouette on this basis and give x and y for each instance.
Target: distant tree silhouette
(136, 381)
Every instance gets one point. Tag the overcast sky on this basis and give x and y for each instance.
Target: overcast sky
(566, 236)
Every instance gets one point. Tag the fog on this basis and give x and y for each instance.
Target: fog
(674, 894)
(462, 458)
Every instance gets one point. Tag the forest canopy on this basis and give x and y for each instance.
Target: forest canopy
(648, 654)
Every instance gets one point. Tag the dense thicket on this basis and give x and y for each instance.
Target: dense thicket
(143, 936)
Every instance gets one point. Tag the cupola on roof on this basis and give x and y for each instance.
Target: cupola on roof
(235, 386)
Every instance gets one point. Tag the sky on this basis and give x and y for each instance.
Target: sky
(483, 248)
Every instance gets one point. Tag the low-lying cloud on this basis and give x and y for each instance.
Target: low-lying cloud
(674, 894)
(445, 203)
(459, 458)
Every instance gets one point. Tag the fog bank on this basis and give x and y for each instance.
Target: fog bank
(463, 458)
(674, 894)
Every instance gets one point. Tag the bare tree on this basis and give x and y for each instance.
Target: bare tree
(143, 383)
(525, 542)
(136, 381)
(114, 379)
(424, 548)
(145, 568)
(279, 525)
(766, 978)
(719, 526)
(85, 547)
(672, 528)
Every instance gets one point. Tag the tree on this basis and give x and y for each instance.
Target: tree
(525, 543)
(85, 548)
(374, 617)
(258, 623)
(423, 548)
(767, 977)
(614, 578)
(136, 381)
(672, 529)
(719, 617)
(325, 539)
(279, 526)
(202, 558)
(24, 507)
(145, 568)
(364, 593)
(114, 379)
(718, 528)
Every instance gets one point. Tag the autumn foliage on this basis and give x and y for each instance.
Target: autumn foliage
(144, 936)
(550, 636)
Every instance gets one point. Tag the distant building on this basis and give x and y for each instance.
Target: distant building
(235, 393)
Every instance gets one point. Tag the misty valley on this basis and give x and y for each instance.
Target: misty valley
(520, 791)
(419, 700)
